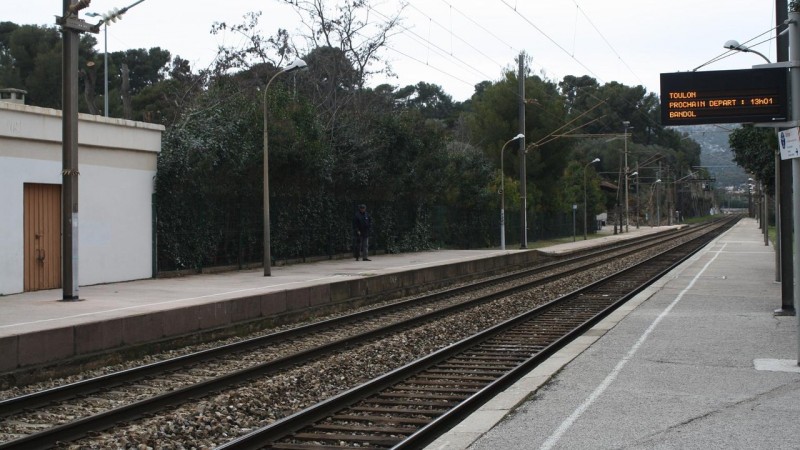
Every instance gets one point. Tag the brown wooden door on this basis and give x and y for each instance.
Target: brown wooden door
(42, 236)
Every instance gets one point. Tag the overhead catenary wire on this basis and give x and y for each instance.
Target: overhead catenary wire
(549, 137)
(442, 52)
(553, 41)
(606, 41)
(489, 32)
(429, 65)
(431, 19)
(552, 136)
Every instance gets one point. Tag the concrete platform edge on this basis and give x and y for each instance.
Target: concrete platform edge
(59, 343)
(494, 411)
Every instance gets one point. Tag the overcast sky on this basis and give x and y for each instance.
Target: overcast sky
(459, 43)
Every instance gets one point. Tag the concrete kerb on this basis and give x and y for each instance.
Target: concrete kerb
(137, 334)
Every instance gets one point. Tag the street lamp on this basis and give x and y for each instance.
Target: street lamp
(625, 123)
(658, 204)
(110, 16)
(584, 194)
(638, 213)
(297, 64)
(736, 46)
(503, 192)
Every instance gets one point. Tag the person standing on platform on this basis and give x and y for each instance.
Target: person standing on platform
(362, 224)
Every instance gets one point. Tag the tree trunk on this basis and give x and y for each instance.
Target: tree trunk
(88, 89)
(127, 109)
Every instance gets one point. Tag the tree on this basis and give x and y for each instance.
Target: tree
(9, 74)
(753, 150)
(430, 100)
(130, 72)
(164, 101)
(351, 28)
(274, 50)
(571, 190)
(207, 192)
(31, 57)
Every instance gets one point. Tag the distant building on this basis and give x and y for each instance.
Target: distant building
(117, 164)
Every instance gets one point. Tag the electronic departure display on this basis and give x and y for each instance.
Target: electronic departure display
(724, 96)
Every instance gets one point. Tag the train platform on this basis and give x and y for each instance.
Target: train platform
(37, 328)
(697, 360)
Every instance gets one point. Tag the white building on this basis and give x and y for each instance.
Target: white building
(117, 165)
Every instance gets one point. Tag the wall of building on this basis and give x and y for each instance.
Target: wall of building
(117, 164)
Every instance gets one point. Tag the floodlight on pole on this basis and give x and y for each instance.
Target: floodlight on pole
(503, 192)
(736, 46)
(585, 205)
(297, 64)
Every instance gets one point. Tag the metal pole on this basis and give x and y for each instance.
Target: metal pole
(502, 206)
(667, 199)
(625, 136)
(638, 207)
(105, 69)
(585, 201)
(502, 202)
(585, 205)
(298, 64)
(766, 214)
(112, 16)
(574, 208)
(267, 251)
(69, 171)
(503, 191)
(785, 207)
(658, 198)
(777, 201)
(523, 188)
(794, 50)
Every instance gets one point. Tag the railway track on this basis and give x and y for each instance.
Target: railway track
(411, 406)
(378, 322)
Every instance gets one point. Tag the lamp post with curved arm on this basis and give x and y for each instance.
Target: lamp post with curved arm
(503, 192)
(584, 194)
(112, 17)
(297, 64)
(636, 174)
(658, 204)
(736, 46)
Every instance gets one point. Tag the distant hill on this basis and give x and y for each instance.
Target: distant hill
(716, 154)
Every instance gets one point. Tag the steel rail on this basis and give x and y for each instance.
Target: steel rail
(76, 429)
(84, 387)
(297, 424)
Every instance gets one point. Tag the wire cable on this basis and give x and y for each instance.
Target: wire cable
(431, 19)
(442, 52)
(607, 43)
(429, 65)
(489, 32)
(551, 40)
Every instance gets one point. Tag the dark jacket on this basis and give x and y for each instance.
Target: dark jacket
(362, 224)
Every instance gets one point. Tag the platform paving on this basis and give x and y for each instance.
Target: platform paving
(696, 361)
(42, 310)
